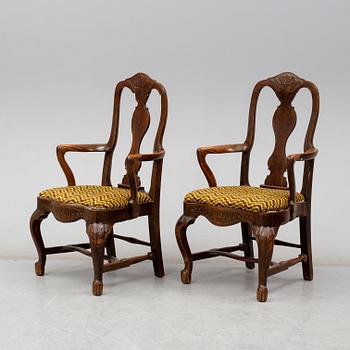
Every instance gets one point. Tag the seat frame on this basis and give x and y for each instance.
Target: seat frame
(100, 222)
(262, 227)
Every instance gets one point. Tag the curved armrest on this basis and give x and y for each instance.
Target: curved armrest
(61, 150)
(130, 162)
(98, 147)
(146, 156)
(291, 159)
(203, 151)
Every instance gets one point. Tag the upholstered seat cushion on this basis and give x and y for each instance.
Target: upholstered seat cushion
(255, 199)
(106, 197)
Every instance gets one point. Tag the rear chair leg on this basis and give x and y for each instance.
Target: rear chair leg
(246, 237)
(35, 221)
(180, 231)
(98, 235)
(265, 237)
(305, 242)
(154, 234)
(110, 246)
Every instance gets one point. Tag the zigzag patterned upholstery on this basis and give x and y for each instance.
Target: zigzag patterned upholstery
(255, 199)
(106, 197)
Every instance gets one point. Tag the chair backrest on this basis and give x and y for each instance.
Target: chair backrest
(141, 85)
(285, 85)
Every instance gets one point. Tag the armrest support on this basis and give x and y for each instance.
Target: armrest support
(202, 152)
(291, 159)
(130, 162)
(61, 150)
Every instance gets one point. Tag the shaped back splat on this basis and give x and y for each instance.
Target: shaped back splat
(141, 85)
(285, 86)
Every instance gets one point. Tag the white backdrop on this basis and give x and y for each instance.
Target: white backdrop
(60, 61)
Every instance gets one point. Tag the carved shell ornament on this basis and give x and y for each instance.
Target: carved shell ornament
(285, 84)
(141, 84)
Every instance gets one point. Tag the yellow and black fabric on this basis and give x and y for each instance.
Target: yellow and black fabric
(106, 197)
(255, 199)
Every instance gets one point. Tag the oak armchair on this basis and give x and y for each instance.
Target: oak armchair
(260, 210)
(103, 206)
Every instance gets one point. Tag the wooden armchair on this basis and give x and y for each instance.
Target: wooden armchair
(103, 206)
(260, 210)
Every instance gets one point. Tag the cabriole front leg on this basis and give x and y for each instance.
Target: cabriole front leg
(35, 221)
(98, 235)
(180, 231)
(265, 237)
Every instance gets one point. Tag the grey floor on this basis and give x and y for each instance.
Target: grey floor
(139, 311)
